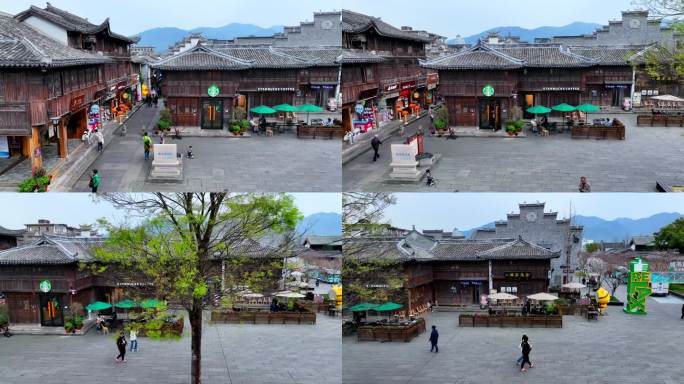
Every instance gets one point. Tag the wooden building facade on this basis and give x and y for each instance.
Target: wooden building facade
(381, 74)
(55, 66)
(458, 272)
(208, 83)
(481, 85)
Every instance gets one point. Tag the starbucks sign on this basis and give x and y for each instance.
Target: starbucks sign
(213, 90)
(488, 90)
(45, 286)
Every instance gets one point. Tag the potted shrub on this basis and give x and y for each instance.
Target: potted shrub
(4, 315)
(236, 129)
(68, 325)
(78, 322)
(425, 159)
(510, 128)
(38, 182)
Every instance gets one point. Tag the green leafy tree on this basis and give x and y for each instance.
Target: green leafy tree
(188, 241)
(373, 279)
(592, 247)
(661, 63)
(671, 236)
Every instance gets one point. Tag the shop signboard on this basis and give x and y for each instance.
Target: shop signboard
(433, 79)
(391, 88)
(269, 89)
(638, 287)
(408, 85)
(45, 286)
(359, 108)
(213, 90)
(488, 90)
(636, 99)
(76, 102)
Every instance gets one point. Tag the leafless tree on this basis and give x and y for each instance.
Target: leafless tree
(662, 8)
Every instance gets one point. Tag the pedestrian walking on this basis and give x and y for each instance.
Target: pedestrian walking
(584, 186)
(147, 144)
(161, 137)
(432, 116)
(121, 346)
(434, 337)
(375, 144)
(94, 181)
(520, 359)
(100, 140)
(190, 154)
(526, 348)
(134, 340)
(682, 312)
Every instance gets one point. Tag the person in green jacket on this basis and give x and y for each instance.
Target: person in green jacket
(147, 144)
(94, 181)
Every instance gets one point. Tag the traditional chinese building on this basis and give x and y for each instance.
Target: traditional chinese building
(457, 272)
(481, 85)
(55, 67)
(381, 75)
(209, 82)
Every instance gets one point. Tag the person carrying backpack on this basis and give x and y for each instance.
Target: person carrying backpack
(94, 181)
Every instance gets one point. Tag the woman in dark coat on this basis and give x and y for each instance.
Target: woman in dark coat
(121, 346)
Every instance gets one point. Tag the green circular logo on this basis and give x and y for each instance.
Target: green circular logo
(213, 90)
(488, 90)
(45, 286)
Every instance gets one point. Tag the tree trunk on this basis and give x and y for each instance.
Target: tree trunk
(196, 341)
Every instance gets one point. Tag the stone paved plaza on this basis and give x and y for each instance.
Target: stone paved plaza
(535, 164)
(232, 354)
(264, 164)
(616, 349)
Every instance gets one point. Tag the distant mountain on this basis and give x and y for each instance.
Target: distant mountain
(598, 229)
(321, 224)
(528, 35)
(162, 38)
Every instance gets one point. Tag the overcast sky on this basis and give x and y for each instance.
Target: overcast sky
(80, 208)
(133, 16)
(470, 210)
(447, 18)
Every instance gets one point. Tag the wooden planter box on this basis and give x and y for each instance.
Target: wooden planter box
(390, 333)
(253, 317)
(319, 132)
(616, 132)
(660, 121)
(511, 321)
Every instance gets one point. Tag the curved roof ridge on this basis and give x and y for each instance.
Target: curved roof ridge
(201, 47)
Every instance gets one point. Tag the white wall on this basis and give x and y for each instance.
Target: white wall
(47, 28)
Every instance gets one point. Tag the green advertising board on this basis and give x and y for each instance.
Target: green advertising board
(488, 90)
(638, 287)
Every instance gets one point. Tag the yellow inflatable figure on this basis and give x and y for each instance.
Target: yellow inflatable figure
(603, 298)
(336, 295)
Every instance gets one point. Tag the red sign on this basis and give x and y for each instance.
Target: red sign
(419, 140)
(76, 103)
(433, 78)
(408, 85)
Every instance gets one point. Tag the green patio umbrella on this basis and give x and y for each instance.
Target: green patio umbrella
(308, 108)
(98, 306)
(363, 307)
(588, 108)
(126, 304)
(285, 108)
(389, 306)
(263, 110)
(151, 303)
(538, 110)
(563, 107)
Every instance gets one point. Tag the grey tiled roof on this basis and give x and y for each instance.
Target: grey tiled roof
(353, 22)
(483, 56)
(224, 57)
(619, 55)
(643, 240)
(358, 56)
(23, 46)
(11, 232)
(47, 250)
(452, 250)
(71, 22)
